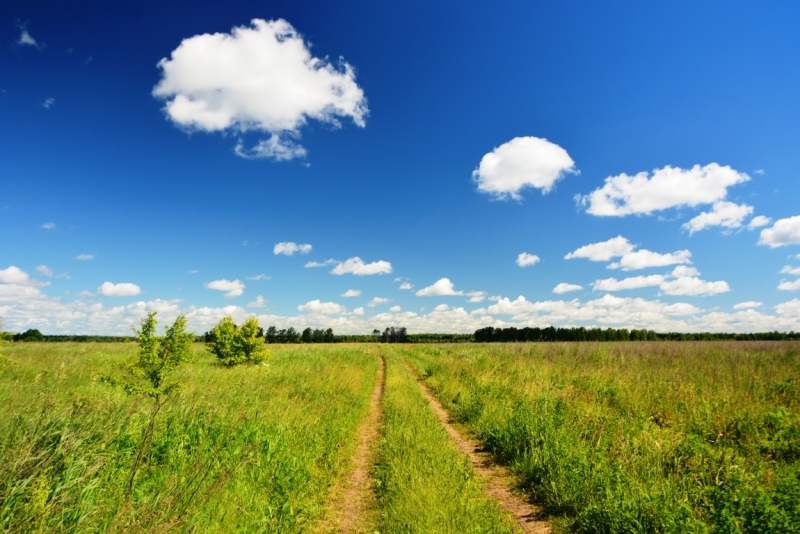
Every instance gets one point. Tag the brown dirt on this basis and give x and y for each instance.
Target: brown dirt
(497, 478)
(350, 503)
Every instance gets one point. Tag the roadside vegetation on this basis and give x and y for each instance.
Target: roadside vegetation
(423, 482)
(253, 448)
(635, 437)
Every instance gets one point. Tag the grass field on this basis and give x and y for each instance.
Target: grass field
(636, 437)
(607, 437)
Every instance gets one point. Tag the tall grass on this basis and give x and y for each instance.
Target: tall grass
(254, 448)
(636, 437)
(424, 484)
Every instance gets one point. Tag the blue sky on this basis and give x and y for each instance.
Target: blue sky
(528, 164)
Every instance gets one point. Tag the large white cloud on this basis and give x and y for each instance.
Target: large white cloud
(723, 213)
(789, 285)
(620, 247)
(123, 289)
(232, 288)
(441, 288)
(783, 232)
(15, 275)
(681, 281)
(788, 269)
(357, 267)
(670, 187)
(634, 282)
(288, 248)
(260, 77)
(564, 287)
(520, 163)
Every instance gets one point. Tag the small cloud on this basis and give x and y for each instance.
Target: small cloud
(48, 102)
(395, 309)
(245, 243)
(86, 294)
(352, 293)
(123, 289)
(26, 39)
(398, 279)
(789, 286)
(525, 259)
(750, 304)
(44, 270)
(48, 226)
(232, 288)
(322, 308)
(89, 60)
(193, 271)
(406, 285)
(377, 301)
(783, 232)
(288, 248)
(66, 276)
(259, 277)
(495, 298)
(358, 311)
(476, 296)
(758, 221)
(786, 270)
(84, 257)
(312, 264)
(260, 302)
(564, 287)
(758, 171)
(441, 288)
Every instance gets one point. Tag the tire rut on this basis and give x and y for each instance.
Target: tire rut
(497, 478)
(348, 508)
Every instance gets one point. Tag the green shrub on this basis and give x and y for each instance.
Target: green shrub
(238, 344)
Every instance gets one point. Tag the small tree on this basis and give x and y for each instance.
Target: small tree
(147, 375)
(234, 345)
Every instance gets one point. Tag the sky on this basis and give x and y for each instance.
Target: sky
(442, 166)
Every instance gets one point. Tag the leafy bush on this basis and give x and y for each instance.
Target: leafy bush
(238, 344)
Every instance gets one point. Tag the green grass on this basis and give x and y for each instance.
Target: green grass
(424, 484)
(249, 449)
(636, 437)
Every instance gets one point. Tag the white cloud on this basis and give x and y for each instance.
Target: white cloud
(642, 259)
(84, 257)
(788, 269)
(634, 282)
(359, 311)
(681, 281)
(16, 276)
(758, 171)
(564, 287)
(232, 289)
(258, 78)
(476, 296)
(377, 301)
(395, 309)
(288, 248)
(441, 288)
(525, 259)
(351, 293)
(620, 247)
(259, 277)
(406, 285)
(193, 271)
(325, 263)
(48, 102)
(750, 304)
(123, 289)
(26, 39)
(758, 221)
(783, 232)
(604, 251)
(44, 270)
(725, 214)
(789, 286)
(357, 267)
(670, 187)
(520, 163)
(260, 302)
(48, 226)
(322, 308)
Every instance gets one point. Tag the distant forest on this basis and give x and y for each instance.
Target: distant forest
(396, 334)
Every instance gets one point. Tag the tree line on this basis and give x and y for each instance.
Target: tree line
(513, 334)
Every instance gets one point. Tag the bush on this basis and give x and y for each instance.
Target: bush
(234, 345)
(31, 334)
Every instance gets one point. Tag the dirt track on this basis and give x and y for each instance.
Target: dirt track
(497, 478)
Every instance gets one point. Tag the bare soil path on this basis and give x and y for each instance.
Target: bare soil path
(497, 478)
(350, 503)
